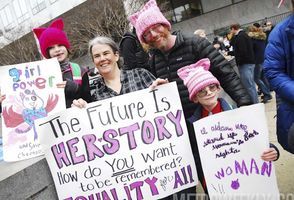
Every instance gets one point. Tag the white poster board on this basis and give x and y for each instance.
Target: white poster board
(230, 144)
(133, 146)
(31, 93)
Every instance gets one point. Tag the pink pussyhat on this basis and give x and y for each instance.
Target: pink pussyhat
(196, 77)
(52, 35)
(148, 16)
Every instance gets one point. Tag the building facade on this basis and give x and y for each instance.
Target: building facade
(17, 17)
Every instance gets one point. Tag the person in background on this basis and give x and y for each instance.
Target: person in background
(279, 70)
(133, 54)
(218, 43)
(258, 41)
(169, 52)
(244, 55)
(204, 91)
(55, 44)
(268, 27)
(200, 33)
(113, 80)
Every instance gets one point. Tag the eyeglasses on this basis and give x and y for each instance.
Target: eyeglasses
(154, 28)
(203, 92)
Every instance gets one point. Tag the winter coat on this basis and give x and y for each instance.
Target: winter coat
(74, 90)
(188, 50)
(243, 48)
(133, 53)
(258, 42)
(279, 70)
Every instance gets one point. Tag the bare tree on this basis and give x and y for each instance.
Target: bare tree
(92, 18)
(19, 50)
(101, 17)
(95, 17)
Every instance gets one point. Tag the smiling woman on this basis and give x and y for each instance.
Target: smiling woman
(113, 80)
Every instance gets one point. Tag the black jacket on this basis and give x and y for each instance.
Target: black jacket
(73, 90)
(259, 43)
(132, 52)
(188, 50)
(243, 48)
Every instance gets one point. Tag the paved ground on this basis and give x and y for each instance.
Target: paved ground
(285, 165)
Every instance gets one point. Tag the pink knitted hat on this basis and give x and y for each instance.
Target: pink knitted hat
(196, 76)
(52, 35)
(148, 16)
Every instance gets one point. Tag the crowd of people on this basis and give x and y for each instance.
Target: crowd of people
(157, 56)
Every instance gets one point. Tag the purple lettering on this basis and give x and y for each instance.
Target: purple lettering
(266, 168)
(60, 155)
(91, 149)
(113, 145)
(148, 132)
(129, 130)
(151, 183)
(73, 150)
(254, 166)
(137, 185)
(178, 180)
(162, 132)
(220, 174)
(176, 120)
(240, 168)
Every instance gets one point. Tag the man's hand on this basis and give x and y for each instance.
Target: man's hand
(269, 155)
(158, 81)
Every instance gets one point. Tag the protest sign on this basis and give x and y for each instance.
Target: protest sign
(133, 146)
(230, 144)
(31, 93)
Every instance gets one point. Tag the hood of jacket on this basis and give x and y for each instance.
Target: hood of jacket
(257, 35)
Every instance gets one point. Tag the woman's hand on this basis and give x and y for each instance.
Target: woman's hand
(80, 103)
(269, 155)
(158, 81)
(61, 85)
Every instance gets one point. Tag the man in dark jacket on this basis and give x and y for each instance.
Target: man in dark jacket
(258, 38)
(173, 51)
(244, 55)
(132, 52)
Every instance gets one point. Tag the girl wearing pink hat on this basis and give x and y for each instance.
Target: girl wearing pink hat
(204, 90)
(54, 44)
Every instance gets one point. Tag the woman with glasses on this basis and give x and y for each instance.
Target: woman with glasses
(204, 90)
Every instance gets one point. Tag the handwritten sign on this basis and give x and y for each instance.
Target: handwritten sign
(133, 146)
(234, 141)
(31, 93)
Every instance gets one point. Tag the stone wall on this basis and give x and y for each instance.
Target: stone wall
(33, 182)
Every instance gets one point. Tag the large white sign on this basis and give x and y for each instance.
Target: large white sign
(133, 146)
(230, 146)
(31, 93)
